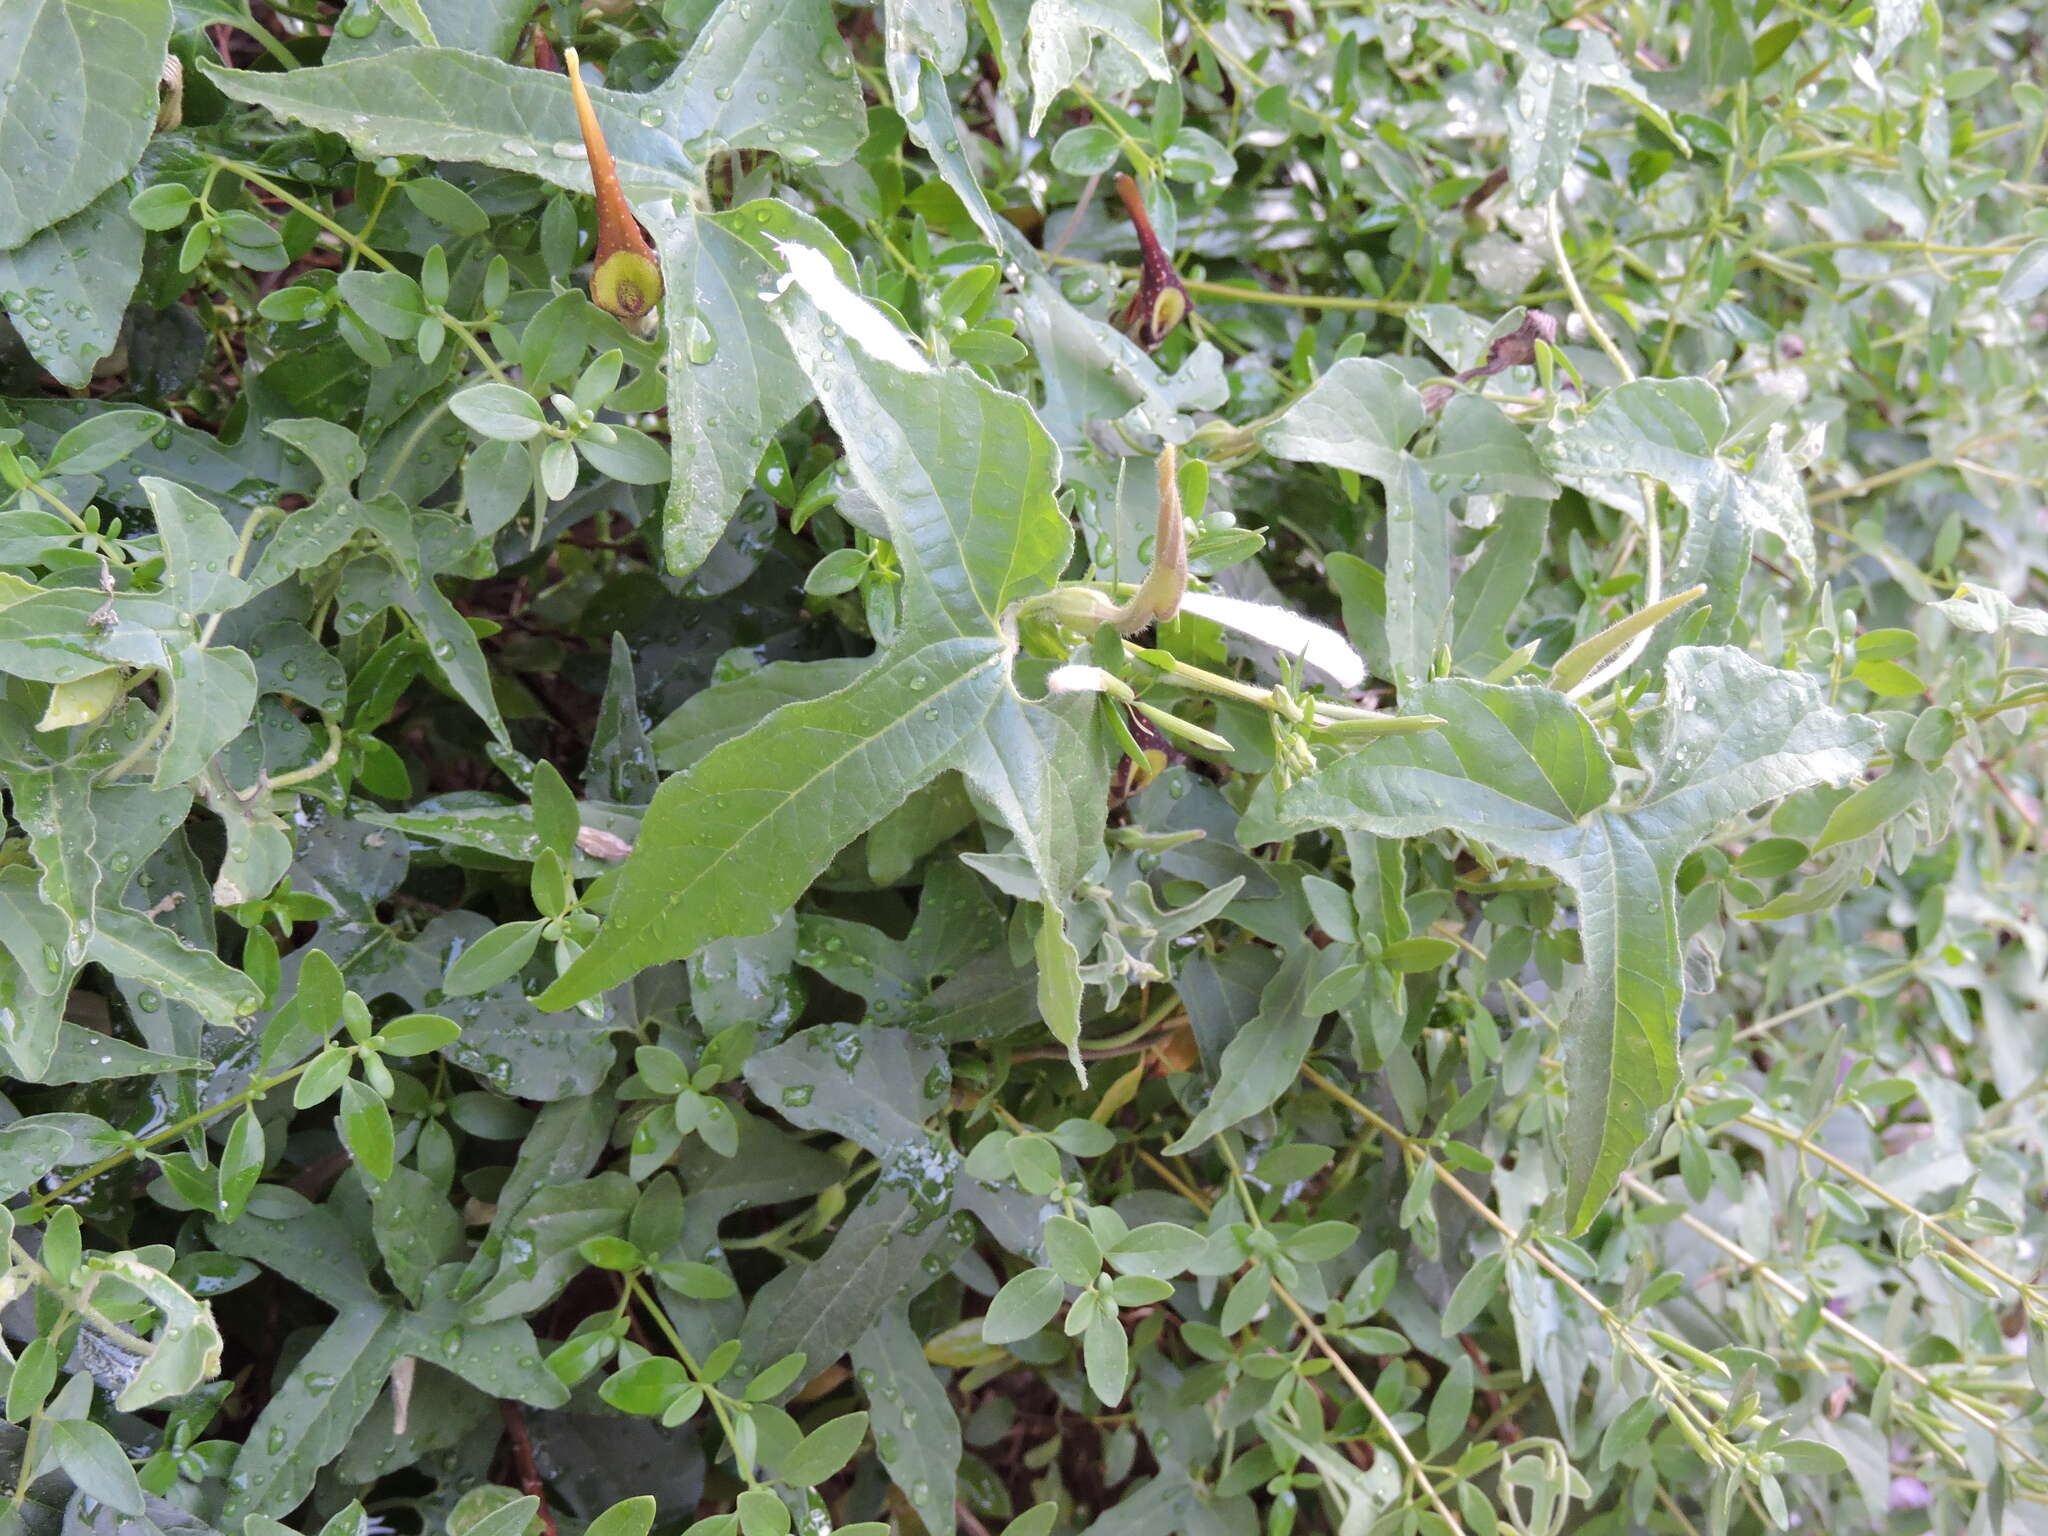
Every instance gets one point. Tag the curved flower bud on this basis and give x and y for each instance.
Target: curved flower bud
(625, 278)
(1162, 300)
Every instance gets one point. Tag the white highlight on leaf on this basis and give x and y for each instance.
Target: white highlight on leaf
(877, 335)
(1289, 633)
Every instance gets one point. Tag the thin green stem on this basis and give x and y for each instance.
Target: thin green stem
(144, 745)
(1241, 294)
(256, 1090)
(653, 1308)
(1554, 225)
(249, 26)
(1854, 988)
(326, 760)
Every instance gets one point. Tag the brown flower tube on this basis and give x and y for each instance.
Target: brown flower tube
(1162, 300)
(625, 279)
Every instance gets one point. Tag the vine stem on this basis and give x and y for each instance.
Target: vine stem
(362, 249)
(257, 1089)
(1765, 1026)
(250, 27)
(1900, 472)
(711, 1393)
(326, 760)
(1554, 225)
(1329, 1352)
(1245, 295)
(1670, 1391)
(1653, 534)
(135, 754)
(1808, 1147)
(1372, 1405)
(1999, 1430)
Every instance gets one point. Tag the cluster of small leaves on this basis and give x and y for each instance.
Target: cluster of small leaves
(1271, 769)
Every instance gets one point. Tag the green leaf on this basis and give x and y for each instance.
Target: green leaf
(729, 845)
(94, 1460)
(186, 1346)
(442, 201)
(1262, 1059)
(823, 1451)
(53, 806)
(1159, 1249)
(1106, 1356)
(496, 956)
(546, 1237)
(1872, 806)
(1673, 430)
(917, 1431)
(876, 1259)
(79, 106)
(366, 1128)
(961, 473)
(1025, 1304)
(962, 477)
(389, 303)
(1071, 1251)
(480, 26)
(241, 1164)
(370, 584)
(556, 819)
(415, 1034)
(764, 77)
(304, 1426)
(1491, 589)
(455, 106)
(1038, 1520)
(2026, 276)
(1523, 772)
(621, 764)
(86, 1056)
(1449, 1407)
(66, 288)
(628, 1517)
(412, 20)
(1063, 35)
(876, 1087)
(416, 1229)
(131, 945)
(499, 411)
(1547, 112)
(767, 77)
(1472, 1294)
(213, 695)
(101, 440)
(1360, 416)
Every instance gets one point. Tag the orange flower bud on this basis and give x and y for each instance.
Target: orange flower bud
(625, 278)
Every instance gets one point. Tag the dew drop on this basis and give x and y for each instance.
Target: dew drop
(699, 345)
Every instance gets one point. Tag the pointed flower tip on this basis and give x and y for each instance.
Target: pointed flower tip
(1078, 678)
(625, 278)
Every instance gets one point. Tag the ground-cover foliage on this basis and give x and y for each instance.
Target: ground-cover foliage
(1263, 766)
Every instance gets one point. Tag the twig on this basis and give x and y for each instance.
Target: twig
(522, 1460)
(1074, 218)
